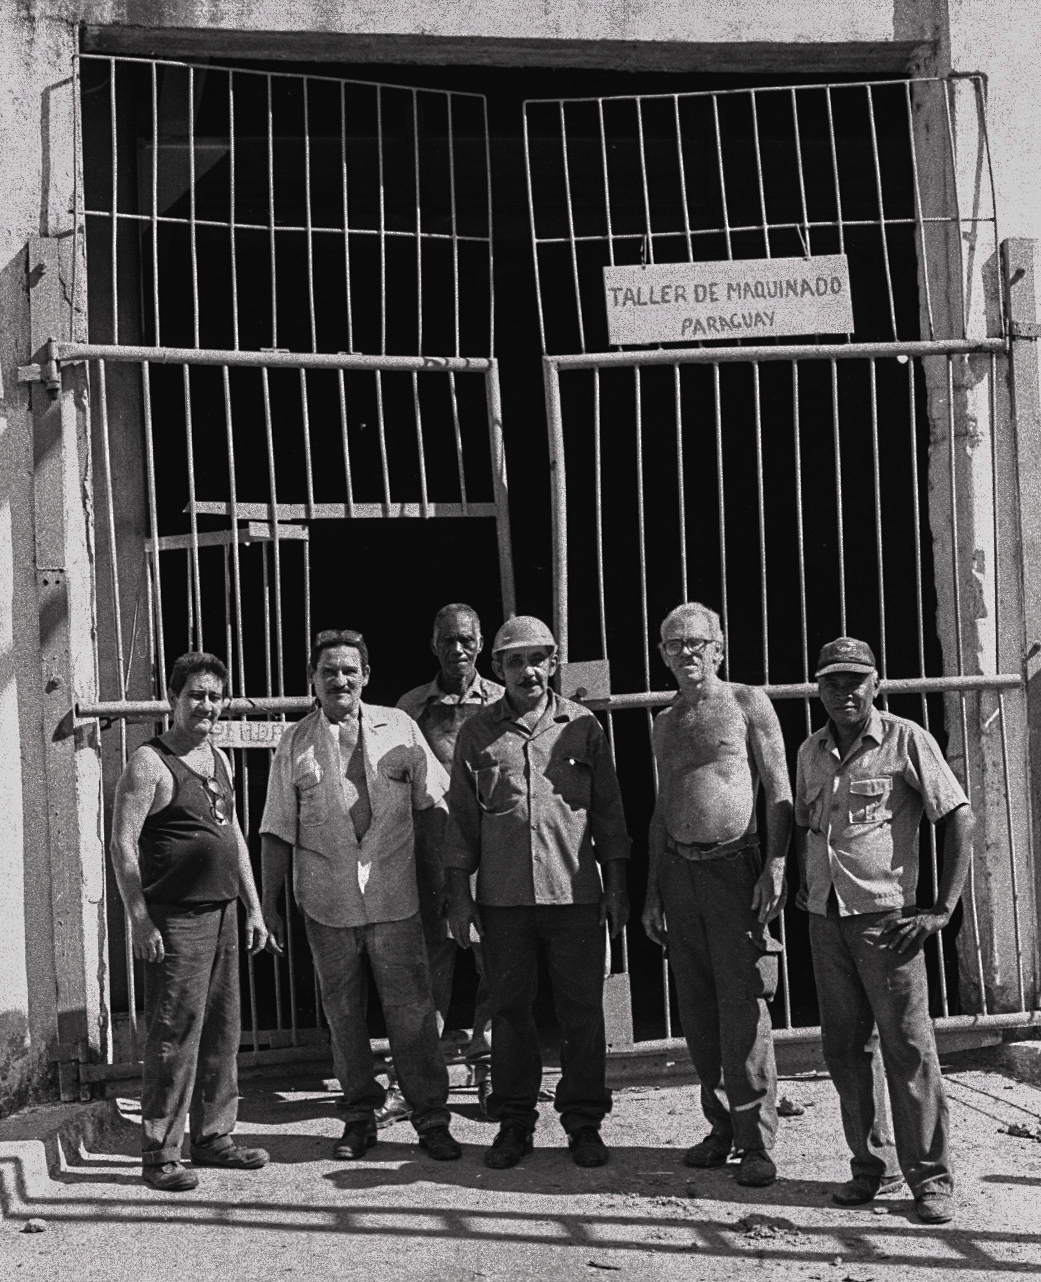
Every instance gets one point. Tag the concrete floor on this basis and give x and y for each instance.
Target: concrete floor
(398, 1215)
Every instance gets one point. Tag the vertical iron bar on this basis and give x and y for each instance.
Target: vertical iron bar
(681, 481)
(305, 80)
(801, 172)
(761, 507)
(759, 173)
(835, 171)
(271, 212)
(500, 489)
(192, 240)
(155, 206)
(722, 177)
(882, 226)
(534, 235)
(724, 613)
(153, 521)
(648, 228)
(115, 199)
(381, 428)
(383, 223)
(598, 494)
(558, 480)
(233, 511)
(683, 180)
(880, 565)
(346, 445)
(232, 213)
(491, 272)
(455, 224)
(569, 205)
(800, 536)
(346, 231)
(836, 438)
(424, 503)
(458, 434)
(193, 550)
(308, 462)
(918, 216)
(607, 183)
(946, 89)
(419, 224)
(275, 542)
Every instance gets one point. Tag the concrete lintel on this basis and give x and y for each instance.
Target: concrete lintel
(894, 57)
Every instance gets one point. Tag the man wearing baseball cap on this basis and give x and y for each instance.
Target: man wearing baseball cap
(863, 783)
(535, 810)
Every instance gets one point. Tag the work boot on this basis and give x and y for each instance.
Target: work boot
(232, 1157)
(863, 1188)
(441, 1144)
(170, 1177)
(934, 1207)
(757, 1168)
(356, 1138)
(713, 1150)
(587, 1148)
(508, 1147)
(395, 1108)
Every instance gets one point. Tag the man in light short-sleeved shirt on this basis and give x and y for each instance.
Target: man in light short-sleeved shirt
(347, 785)
(863, 783)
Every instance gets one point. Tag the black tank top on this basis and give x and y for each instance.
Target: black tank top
(187, 857)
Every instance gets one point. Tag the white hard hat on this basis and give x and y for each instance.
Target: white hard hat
(522, 632)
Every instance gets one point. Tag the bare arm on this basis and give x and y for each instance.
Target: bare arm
(907, 933)
(767, 744)
(802, 895)
(135, 795)
(274, 864)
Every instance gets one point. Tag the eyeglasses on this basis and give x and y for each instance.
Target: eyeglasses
(677, 645)
(218, 801)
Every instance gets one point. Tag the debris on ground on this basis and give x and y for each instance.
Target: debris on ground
(1020, 1132)
(787, 1107)
(770, 1228)
(34, 1226)
(595, 1264)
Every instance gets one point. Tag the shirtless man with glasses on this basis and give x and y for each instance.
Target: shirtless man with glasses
(711, 892)
(182, 863)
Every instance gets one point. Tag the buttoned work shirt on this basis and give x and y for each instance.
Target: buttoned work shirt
(441, 716)
(534, 812)
(339, 880)
(863, 812)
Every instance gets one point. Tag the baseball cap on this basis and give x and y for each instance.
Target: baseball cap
(521, 632)
(845, 654)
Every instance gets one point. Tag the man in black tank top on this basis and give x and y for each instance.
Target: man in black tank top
(182, 863)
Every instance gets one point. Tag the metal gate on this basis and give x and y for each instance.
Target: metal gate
(783, 484)
(291, 349)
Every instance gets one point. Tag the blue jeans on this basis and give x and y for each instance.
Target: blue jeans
(573, 941)
(725, 965)
(860, 983)
(399, 965)
(192, 1022)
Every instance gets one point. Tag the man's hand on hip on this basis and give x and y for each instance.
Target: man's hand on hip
(614, 910)
(770, 891)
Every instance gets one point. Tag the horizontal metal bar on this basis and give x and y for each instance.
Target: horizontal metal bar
(808, 690)
(258, 532)
(270, 359)
(153, 709)
(678, 232)
(783, 352)
(341, 511)
(415, 234)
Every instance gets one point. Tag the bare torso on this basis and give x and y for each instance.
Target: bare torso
(707, 776)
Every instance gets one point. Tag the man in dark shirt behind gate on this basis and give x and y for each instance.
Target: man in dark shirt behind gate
(181, 863)
(535, 810)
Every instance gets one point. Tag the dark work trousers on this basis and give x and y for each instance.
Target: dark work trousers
(193, 1021)
(573, 942)
(399, 966)
(725, 965)
(861, 984)
(441, 954)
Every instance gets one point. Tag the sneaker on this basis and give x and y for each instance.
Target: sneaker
(934, 1208)
(441, 1144)
(356, 1138)
(233, 1157)
(587, 1148)
(863, 1188)
(713, 1150)
(170, 1177)
(395, 1108)
(757, 1168)
(509, 1146)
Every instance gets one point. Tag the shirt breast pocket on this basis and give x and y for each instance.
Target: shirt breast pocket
(869, 800)
(496, 791)
(311, 803)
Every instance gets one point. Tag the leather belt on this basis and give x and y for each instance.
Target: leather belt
(697, 852)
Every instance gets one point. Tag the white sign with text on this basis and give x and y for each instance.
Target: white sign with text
(752, 298)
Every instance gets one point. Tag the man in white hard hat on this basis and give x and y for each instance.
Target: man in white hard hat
(863, 783)
(711, 891)
(535, 810)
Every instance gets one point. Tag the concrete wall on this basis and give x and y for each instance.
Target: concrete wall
(37, 41)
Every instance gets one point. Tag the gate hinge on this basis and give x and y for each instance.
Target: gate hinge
(586, 682)
(47, 372)
(1025, 329)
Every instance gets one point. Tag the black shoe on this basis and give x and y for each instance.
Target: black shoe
(863, 1188)
(441, 1144)
(356, 1138)
(713, 1150)
(508, 1147)
(587, 1148)
(395, 1108)
(232, 1158)
(170, 1177)
(757, 1168)
(484, 1089)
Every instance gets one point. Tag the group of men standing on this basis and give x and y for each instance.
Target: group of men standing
(489, 816)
